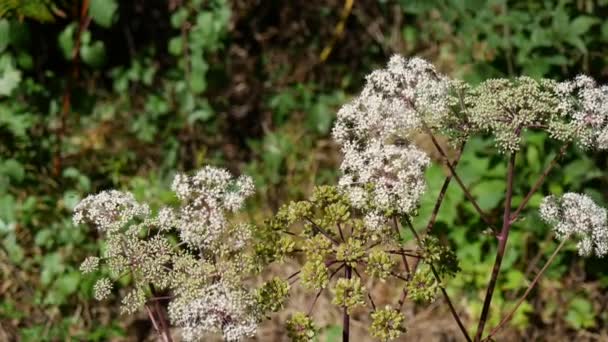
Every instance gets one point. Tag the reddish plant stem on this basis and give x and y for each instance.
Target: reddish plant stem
(433, 218)
(538, 183)
(443, 291)
(438, 202)
(453, 173)
(164, 331)
(152, 318)
(322, 231)
(346, 316)
(508, 317)
(502, 244)
(84, 21)
(403, 257)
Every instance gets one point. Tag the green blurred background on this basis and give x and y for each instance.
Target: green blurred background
(105, 94)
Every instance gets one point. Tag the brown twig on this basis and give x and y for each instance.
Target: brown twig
(322, 231)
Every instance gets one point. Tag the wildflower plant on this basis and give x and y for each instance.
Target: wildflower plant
(193, 252)
(350, 234)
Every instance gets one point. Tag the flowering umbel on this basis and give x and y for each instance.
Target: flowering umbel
(381, 167)
(578, 216)
(205, 271)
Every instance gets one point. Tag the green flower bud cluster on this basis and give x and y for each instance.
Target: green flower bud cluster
(300, 328)
(443, 258)
(317, 247)
(387, 324)
(314, 275)
(350, 252)
(379, 264)
(349, 293)
(423, 286)
(272, 295)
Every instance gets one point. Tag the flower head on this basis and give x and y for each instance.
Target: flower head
(381, 167)
(577, 215)
(207, 197)
(109, 210)
(218, 308)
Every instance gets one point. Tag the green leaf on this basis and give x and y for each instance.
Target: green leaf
(580, 314)
(333, 333)
(103, 12)
(179, 17)
(5, 34)
(94, 54)
(581, 24)
(514, 279)
(176, 46)
(12, 170)
(202, 115)
(66, 40)
(489, 193)
(9, 78)
(70, 199)
(605, 31)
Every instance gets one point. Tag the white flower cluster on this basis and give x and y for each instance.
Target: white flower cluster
(90, 264)
(577, 215)
(381, 167)
(587, 105)
(102, 288)
(109, 210)
(206, 197)
(217, 309)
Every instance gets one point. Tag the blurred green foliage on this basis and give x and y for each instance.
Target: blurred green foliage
(124, 93)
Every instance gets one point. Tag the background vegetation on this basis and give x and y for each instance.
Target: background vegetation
(100, 94)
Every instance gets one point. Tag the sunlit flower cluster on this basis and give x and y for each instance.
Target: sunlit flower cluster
(206, 197)
(110, 210)
(381, 167)
(217, 309)
(586, 103)
(576, 215)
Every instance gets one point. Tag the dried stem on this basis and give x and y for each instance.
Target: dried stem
(502, 243)
(83, 23)
(508, 317)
